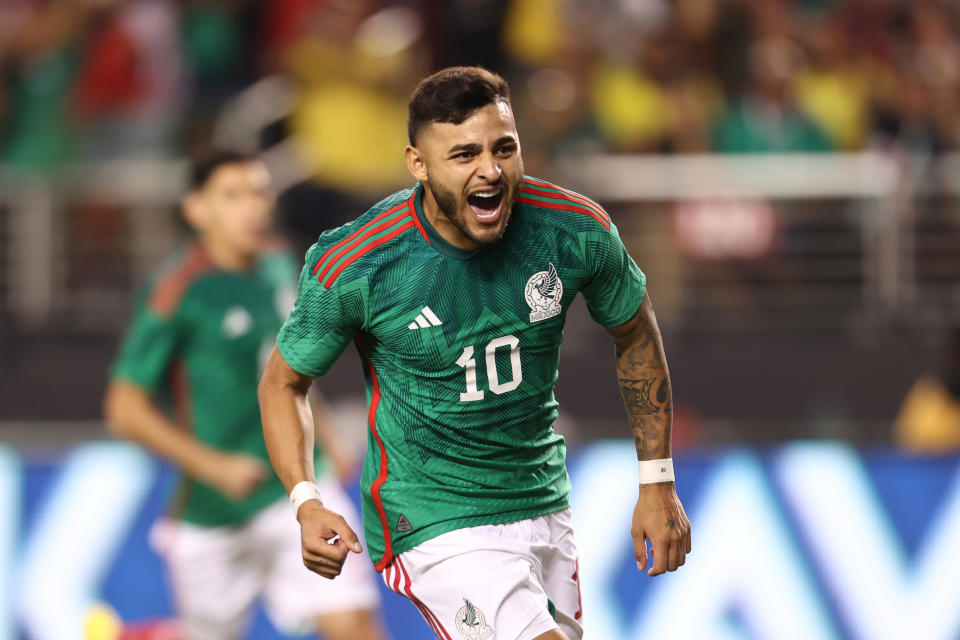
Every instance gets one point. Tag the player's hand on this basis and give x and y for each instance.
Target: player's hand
(659, 517)
(326, 539)
(235, 475)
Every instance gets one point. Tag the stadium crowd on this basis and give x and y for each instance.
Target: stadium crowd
(105, 78)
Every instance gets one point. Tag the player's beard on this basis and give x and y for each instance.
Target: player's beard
(453, 208)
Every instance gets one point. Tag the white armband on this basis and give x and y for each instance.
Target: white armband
(653, 471)
(302, 492)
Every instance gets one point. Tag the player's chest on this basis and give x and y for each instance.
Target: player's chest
(237, 315)
(443, 307)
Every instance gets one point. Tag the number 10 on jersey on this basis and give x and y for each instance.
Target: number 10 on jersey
(467, 361)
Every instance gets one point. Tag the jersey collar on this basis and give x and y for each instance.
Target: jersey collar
(434, 238)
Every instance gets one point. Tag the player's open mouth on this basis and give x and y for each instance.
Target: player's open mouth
(486, 205)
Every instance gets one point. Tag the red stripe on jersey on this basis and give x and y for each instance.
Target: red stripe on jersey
(438, 629)
(382, 477)
(568, 197)
(386, 224)
(537, 182)
(564, 207)
(416, 218)
(353, 235)
(169, 292)
(366, 249)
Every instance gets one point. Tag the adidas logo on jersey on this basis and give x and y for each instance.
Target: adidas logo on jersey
(403, 525)
(426, 318)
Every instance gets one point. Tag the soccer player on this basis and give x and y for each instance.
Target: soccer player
(202, 329)
(455, 294)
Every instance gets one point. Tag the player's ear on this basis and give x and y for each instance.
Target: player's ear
(192, 210)
(415, 163)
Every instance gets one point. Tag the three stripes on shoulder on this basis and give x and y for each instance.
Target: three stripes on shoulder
(426, 318)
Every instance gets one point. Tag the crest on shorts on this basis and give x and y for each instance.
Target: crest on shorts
(471, 623)
(543, 293)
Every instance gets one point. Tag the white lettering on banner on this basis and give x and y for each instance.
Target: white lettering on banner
(82, 526)
(602, 505)
(857, 549)
(742, 556)
(10, 491)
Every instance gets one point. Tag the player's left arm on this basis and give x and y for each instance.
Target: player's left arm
(645, 387)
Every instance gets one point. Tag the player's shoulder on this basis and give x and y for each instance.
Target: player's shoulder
(349, 250)
(559, 206)
(169, 286)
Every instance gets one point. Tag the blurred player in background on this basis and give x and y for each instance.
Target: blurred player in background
(202, 330)
(456, 293)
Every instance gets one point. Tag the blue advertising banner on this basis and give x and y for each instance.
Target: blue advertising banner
(807, 540)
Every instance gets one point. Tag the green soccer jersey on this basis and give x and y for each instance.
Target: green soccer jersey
(204, 335)
(460, 351)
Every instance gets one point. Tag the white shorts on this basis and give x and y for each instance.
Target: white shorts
(218, 573)
(510, 581)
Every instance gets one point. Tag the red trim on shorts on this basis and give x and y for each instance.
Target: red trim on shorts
(423, 608)
(382, 477)
(576, 578)
(392, 574)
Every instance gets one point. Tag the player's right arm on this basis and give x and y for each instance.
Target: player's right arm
(150, 347)
(312, 338)
(288, 431)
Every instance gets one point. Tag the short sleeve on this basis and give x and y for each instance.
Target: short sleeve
(323, 320)
(616, 285)
(149, 348)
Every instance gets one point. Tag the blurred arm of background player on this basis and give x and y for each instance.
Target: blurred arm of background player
(341, 458)
(645, 386)
(132, 414)
(288, 428)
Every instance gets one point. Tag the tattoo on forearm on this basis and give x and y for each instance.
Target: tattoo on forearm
(663, 395)
(645, 387)
(636, 396)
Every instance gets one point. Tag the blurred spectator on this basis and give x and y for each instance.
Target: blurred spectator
(354, 66)
(834, 89)
(929, 419)
(130, 86)
(767, 118)
(41, 61)
(470, 32)
(217, 45)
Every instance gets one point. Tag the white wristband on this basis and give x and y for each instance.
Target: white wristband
(653, 471)
(302, 492)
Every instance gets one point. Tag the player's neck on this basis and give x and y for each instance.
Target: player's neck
(442, 224)
(225, 256)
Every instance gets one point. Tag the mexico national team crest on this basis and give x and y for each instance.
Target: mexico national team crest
(543, 293)
(471, 622)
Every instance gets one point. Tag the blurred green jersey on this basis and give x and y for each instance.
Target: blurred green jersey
(204, 335)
